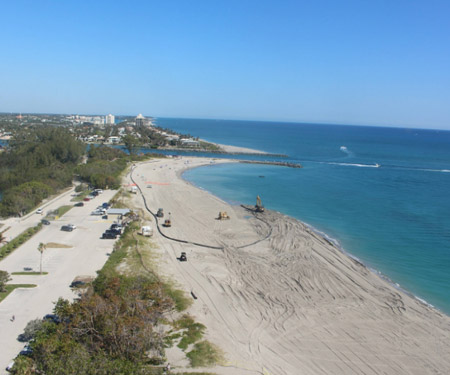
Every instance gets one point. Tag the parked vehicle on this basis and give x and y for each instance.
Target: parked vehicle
(79, 204)
(98, 191)
(87, 199)
(109, 236)
(98, 212)
(160, 212)
(117, 232)
(52, 318)
(77, 283)
(116, 226)
(147, 231)
(68, 227)
(10, 366)
(26, 350)
(45, 222)
(40, 211)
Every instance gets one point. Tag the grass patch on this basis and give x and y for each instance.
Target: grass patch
(204, 354)
(19, 240)
(81, 196)
(9, 288)
(62, 210)
(54, 245)
(33, 273)
(182, 302)
(118, 201)
(192, 331)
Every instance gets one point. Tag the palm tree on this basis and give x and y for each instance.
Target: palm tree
(41, 249)
(3, 237)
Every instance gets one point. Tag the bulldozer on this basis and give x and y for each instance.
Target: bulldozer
(259, 207)
(223, 216)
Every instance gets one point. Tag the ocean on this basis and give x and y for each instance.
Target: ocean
(381, 193)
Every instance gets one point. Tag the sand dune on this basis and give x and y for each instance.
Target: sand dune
(280, 299)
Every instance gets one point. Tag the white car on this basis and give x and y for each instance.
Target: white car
(98, 212)
(40, 211)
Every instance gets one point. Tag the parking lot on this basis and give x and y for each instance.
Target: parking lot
(80, 252)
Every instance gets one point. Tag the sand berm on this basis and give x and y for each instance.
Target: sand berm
(279, 299)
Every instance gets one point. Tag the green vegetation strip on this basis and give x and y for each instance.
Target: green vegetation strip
(62, 210)
(9, 288)
(19, 240)
(29, 273)
(204, 354)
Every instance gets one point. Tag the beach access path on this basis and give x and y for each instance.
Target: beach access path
(292, 303)
(83, 254)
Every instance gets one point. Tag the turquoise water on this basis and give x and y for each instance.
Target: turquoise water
(394, 217)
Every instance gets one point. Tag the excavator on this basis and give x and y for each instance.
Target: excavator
(259, 207)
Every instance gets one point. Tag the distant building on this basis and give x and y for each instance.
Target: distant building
(114, 140)
(141, 120)
(110, 119)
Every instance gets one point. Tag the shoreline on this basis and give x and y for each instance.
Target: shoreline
(332, 241)
(278, 296)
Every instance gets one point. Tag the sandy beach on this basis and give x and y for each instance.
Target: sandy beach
(279, 299)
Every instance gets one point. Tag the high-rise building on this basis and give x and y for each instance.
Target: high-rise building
(110, 119)
(140, 120)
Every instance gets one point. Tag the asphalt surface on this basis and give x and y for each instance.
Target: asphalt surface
(87, 254)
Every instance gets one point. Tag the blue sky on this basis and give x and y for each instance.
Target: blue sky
(349, 62)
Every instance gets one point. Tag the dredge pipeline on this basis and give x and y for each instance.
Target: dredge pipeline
(197, 243)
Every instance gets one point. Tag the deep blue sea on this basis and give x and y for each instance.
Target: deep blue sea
(382, 193)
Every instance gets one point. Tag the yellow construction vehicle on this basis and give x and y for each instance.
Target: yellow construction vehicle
(259, 207)
(168, 222)
(223, 216)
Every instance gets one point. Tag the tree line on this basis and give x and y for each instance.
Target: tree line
(38, 162)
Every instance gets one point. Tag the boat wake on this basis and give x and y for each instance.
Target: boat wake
(376, 165)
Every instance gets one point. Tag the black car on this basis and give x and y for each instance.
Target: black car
(26, 350)
(67, 228)
(45, 222)
(77, 284)
(109, 236)
(52, 318)
(117, 231)
(79, 204)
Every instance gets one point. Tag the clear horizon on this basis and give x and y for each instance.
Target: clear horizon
(378, 64)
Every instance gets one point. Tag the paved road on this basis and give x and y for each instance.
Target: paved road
(87, 255)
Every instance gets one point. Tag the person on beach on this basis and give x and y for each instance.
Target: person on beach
(13, 318)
